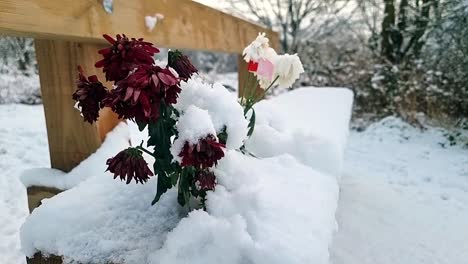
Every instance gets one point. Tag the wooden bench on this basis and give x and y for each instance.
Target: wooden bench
(68, 33)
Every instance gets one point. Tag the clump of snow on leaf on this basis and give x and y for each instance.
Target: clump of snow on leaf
(223, 108)
(193, 125)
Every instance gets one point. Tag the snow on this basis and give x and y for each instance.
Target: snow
(194, 124)
(244, 218)
(403, 197)
(249, 217)
(23, 145)
(222, 107)
(308, 123)
(115, 141)
(19, 88)
(252, 223)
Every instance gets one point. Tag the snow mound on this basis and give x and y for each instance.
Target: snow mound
(275, 209)
(225, 111)
(248, 220)
(309, 123)
(194, 124)
(115, 141)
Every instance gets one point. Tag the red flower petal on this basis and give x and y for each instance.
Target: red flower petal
(253, 66)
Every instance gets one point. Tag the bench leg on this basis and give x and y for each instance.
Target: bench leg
(71, 140)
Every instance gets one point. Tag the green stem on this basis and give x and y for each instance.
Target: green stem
(247, 87)
(145, 150)
(268, 88)
(244, 87)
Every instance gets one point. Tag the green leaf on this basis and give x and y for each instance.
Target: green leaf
(222, 136)
(251, 123)
(162, 187)
(141, 125)
(175, 178)
(183, 195)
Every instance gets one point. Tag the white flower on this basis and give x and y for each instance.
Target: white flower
(259, 49)
(288, 68)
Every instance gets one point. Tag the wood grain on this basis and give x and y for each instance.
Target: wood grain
(187, 24)
(71, 140)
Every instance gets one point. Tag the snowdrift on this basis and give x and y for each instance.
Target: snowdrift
(276, 208)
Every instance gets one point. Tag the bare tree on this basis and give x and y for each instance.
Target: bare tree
(296, 20)
(403, 28)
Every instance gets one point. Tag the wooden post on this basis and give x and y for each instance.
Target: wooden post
(71, 139)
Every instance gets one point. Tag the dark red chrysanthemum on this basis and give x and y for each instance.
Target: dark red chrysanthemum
(89, 94)
(204, 154)
(181, 64)
(205, 180)
(129, 164)
(124, 56)
(139, 96)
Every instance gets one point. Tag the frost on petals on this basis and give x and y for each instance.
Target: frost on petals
(288, 68)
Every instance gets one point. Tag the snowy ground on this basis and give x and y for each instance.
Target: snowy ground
(404, 198)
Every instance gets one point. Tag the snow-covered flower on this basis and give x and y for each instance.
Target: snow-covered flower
(259, 49)
(129, 164)
(205, 180)
(124, 55)
(89, 95)
(288, 68)
(203, 154)
(181, 64)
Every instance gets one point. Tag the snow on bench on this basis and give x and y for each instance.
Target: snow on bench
(278, 208)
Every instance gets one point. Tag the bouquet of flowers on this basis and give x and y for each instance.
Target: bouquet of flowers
(191, 124)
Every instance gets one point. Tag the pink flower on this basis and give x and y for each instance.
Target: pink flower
(124, 55)
(90, 94)
(265, 69)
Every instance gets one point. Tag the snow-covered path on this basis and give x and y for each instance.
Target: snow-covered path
(404, 198)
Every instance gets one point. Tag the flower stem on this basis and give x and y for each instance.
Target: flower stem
(268, 88)
(244, 87)
(247, 88)
(140, 147)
